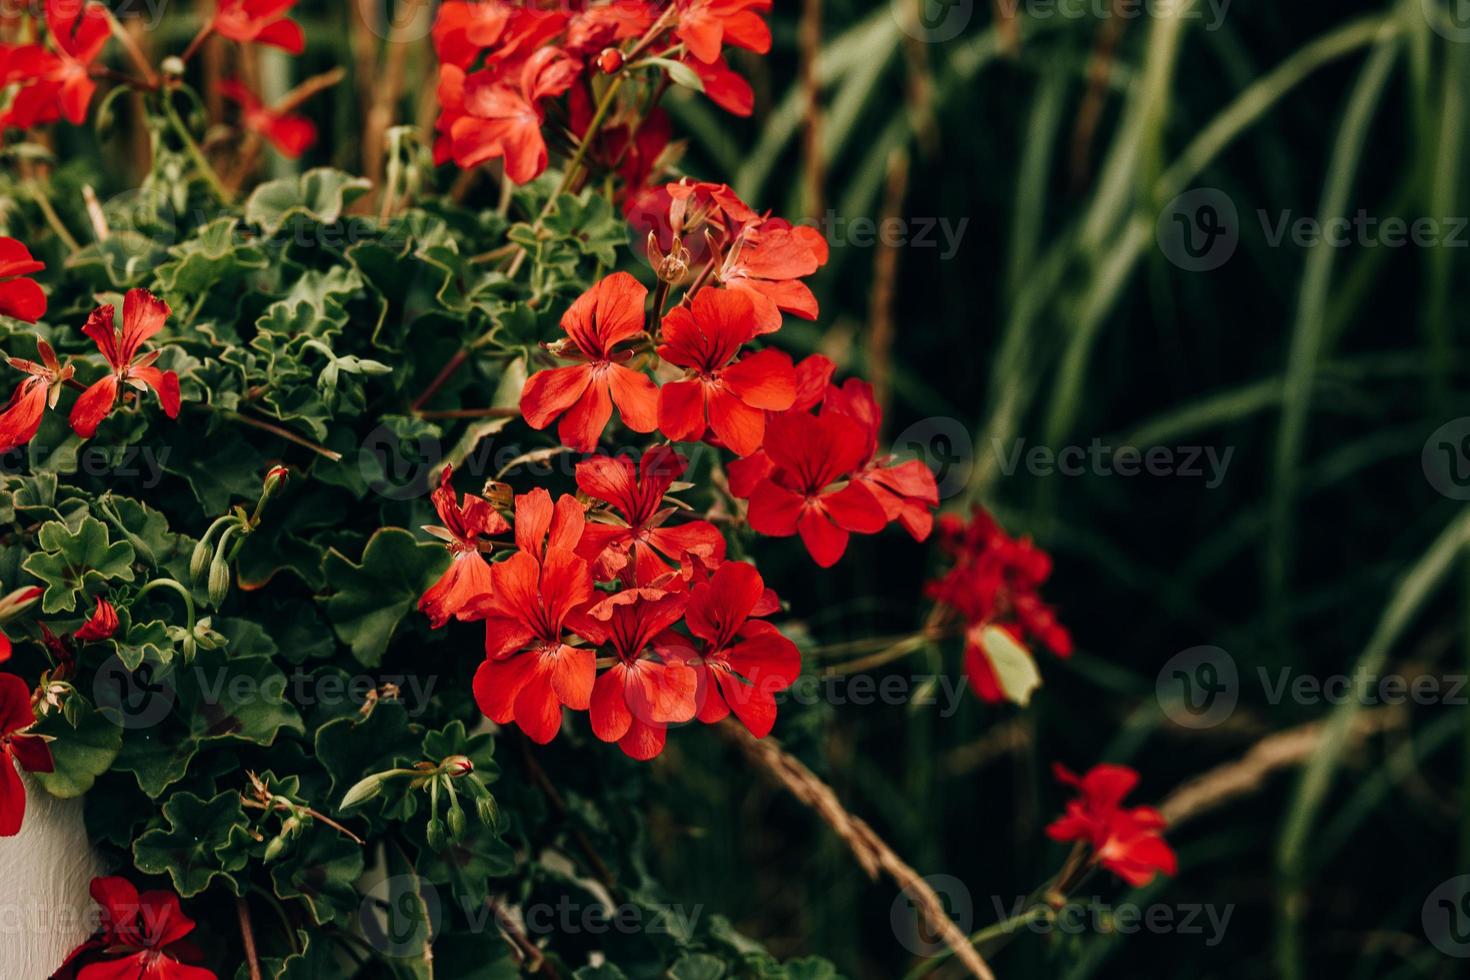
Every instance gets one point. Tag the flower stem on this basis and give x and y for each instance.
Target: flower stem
(38, 194)
(195, 154)
(168, 583)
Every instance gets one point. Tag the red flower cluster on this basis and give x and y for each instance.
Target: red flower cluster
(1129, 843)
(617, 581)
(141, 938)
(500, 61)
(17, 748)
(995, 581)
(55, 81)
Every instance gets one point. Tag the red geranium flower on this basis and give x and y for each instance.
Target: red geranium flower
(744, 662)
(590, 31)
(143, 316)
(259, 22)
(500, 120)
(768, 262)
(31, 398)
(608, 314)
(101, 625)
(468, 576)
(535, 595)
(644, 535)
(141, 938)
(635, 700)
(719, 392)
(706, 26)
(58, 83)
(809, 454)
(1129, 843)
(16, 747)
(725, 87)
(907, 491)
(291, 134)
(20, 297)
(13, 605)
(505, 32)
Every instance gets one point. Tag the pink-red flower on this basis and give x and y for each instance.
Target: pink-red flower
(635, 700)
(768, 262)
(643, 534)
(1129, 843)
(536, 595)
(468, 576)
(608, 314)
(293, 135)
(101, 625)
(809, 490)
(17, 748)
(38, 392)
(20, 296)
(719, 392)
(497, 119)
(143, 316)
(706, 26)
(743, 662)
(907, 490)
(141, 937)
(259, 22)
(57, 83)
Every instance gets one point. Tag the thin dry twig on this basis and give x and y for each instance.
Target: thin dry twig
(870, 850)
(247, 936)
(881, 300)
(809, 37)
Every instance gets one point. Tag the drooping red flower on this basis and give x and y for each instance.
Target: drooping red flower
(536, 595)
(141, 937)
(259, 22)
(995, 580)
(38, 392)
(143, 316)
(1129, 843)
(906, 490)
(468, 576)
(725, 87)
(17, 748)
(743, 662)
(635, 700)
(293, 135)
(809, 490)
(707, 26)
(605, 316)
(643, 534)
(686, 214)
(505, 33)
(101, 625)
(11, 606)
(20, 296)
(57, 82)
(813, 374)
(498, 119)
(768, 262)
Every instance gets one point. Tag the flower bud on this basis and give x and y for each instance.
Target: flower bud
(458, 765)
(101, 626)
(435, 834)
(610, 60)
(456, 822)
(362, 791)
(487, 811)
(17, 602)
(219, 581)
(275, 478)
(274, 848)
(199, 560)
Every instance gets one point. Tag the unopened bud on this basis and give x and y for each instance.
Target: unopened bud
(434, 833)
(610, 60)
(219, 581)
(458, 765)
(17, 602)
(362, 791)
(199, 560)
(456, 822)
(275, 478)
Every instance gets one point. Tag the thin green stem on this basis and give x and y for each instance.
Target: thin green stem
(185, 594)
(201, 163)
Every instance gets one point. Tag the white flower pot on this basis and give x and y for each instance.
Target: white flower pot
(45, 911)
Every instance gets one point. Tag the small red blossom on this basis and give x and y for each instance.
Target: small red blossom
(101, 625)
(906, 490)
(38, 392)
(643, 537)
(743, 662)
(20, 296)
(30, 752)
(995, 580)
(497, 119)
(259, 22)
(12, 606)
(1129, 843)
(293, 135)
(468, 576)
(809, 489)
(605, 316)
(706, 26)
(635, 700)
(719, 392)
(141, 937)
(768, 262)
(143, 316)
(505, 33)
(536, 595)
(57, 83)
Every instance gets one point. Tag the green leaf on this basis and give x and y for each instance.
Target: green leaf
(204, 840)
(697, 966)
(319, 195)
(70, 561)
(321, 871)
(372, 597)
(82, 752)
(1015, 668)
(679, 73)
